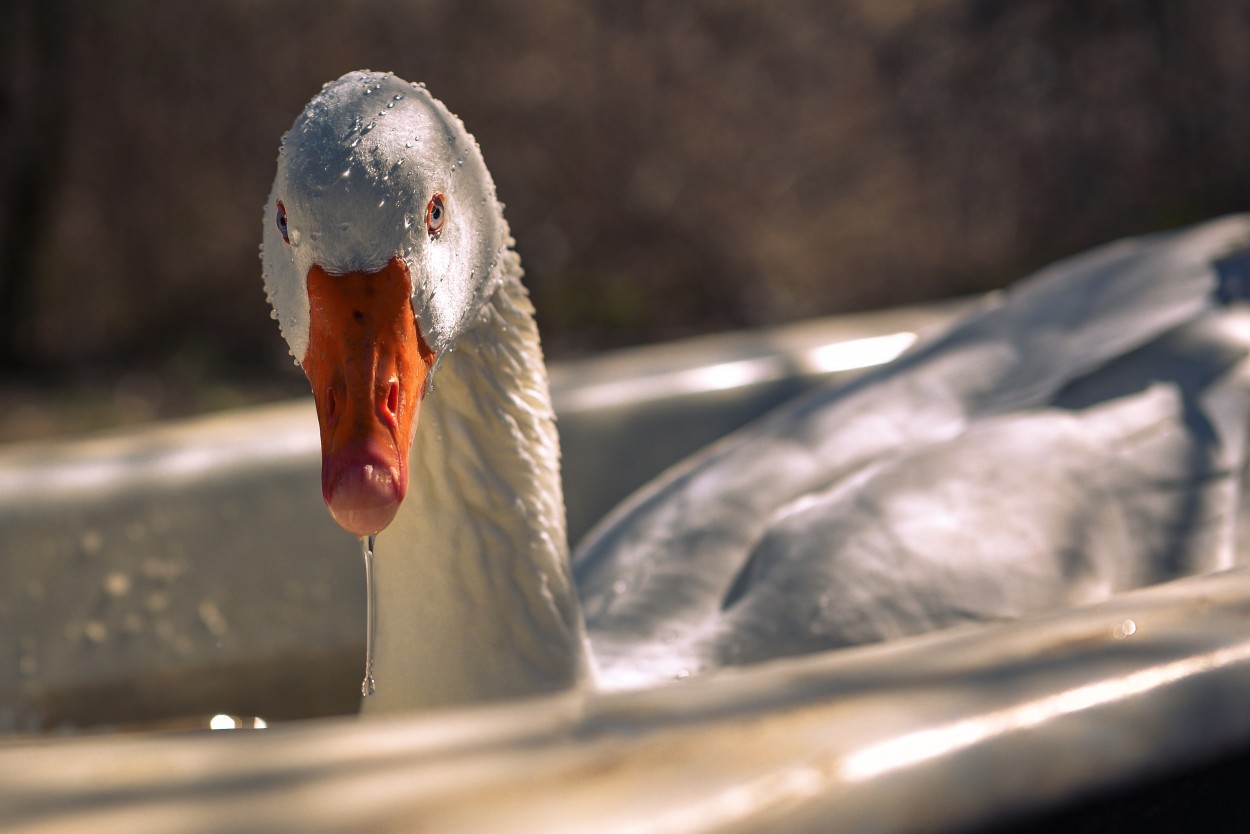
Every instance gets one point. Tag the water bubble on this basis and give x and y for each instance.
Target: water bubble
(398, 97)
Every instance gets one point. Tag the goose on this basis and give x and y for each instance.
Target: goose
(1078, 435)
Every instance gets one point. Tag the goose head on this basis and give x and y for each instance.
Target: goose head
(381, 238)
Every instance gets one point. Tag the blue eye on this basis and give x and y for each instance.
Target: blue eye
(282, 222)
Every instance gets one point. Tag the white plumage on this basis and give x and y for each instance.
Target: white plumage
(1082, 434)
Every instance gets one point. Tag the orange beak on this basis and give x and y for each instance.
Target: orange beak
(368, 367)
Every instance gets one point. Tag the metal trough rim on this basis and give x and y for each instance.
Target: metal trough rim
(927, 734)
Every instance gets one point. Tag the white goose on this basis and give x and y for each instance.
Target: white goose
(1083, 435)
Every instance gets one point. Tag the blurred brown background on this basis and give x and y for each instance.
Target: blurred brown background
(668, 168)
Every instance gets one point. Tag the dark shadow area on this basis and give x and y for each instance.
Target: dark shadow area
(1212, 799)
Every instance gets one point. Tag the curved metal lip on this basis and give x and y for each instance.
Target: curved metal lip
(926, 734)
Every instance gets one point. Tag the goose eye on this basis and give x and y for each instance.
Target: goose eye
(435, 215)
(282, 222)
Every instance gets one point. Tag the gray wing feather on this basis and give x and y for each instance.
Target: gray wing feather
(823, 523)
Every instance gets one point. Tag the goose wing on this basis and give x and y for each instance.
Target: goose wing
(1001, 468)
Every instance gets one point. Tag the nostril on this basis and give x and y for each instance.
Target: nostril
(331, 405)
(392, 399)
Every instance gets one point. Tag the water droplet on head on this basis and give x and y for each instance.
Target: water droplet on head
(398, 96)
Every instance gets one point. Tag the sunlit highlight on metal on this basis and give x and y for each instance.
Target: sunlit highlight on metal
(857, 353)
(942, 740)
(221, 721)
(849, 355)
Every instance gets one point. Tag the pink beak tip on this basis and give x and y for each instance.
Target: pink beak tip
(364, 499)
